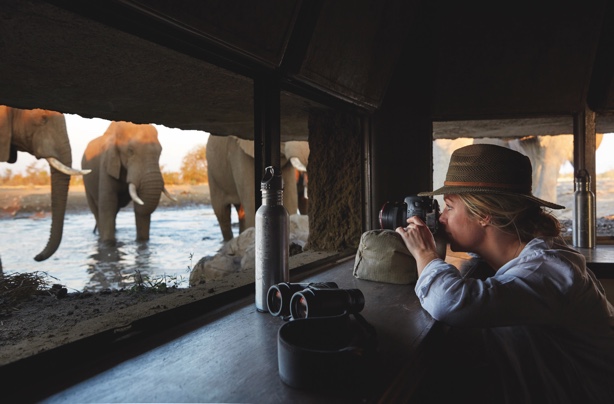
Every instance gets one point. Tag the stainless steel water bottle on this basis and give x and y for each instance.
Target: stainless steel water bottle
(584, 220)
(272, 242)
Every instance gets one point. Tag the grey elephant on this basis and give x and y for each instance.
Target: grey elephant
(43, 134)
(230, 165)
(547, 154)
(125, 167)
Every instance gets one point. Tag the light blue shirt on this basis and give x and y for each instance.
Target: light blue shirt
(545, 319)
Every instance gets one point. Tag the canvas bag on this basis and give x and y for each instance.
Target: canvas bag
(383, 257)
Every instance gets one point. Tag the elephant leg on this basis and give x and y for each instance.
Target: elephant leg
(107, 212)
(301, 189)
(290, 191)
(241, 216)
(93, 205)
(143, 222)
(222, 213)
(246, 211)
(106, 227)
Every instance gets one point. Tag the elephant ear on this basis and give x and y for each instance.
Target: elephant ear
(299, 149)
(110, 158)
(5, 134)
(283, 157)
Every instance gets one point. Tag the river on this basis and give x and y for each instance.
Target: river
(179, 237)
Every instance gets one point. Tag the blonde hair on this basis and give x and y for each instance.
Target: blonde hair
(513, 214)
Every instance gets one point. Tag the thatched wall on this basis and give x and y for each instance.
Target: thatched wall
(335, 195)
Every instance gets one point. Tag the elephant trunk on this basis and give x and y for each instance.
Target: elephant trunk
(59, 197)
(149, 191)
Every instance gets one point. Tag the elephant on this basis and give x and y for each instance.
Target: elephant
(547, 154)
(43, 134)
(230, 165)
(125, 167)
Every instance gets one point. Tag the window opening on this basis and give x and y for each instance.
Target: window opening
(551, 157)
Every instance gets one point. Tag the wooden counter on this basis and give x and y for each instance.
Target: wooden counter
(230, 355)
(600, 260)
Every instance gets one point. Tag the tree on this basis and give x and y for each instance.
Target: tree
(6, 177)
(37, 175)
(171, 178)
(194, 166)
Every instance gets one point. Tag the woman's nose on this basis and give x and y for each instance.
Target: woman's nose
(442, 216)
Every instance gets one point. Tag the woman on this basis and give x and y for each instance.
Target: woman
(546, 323)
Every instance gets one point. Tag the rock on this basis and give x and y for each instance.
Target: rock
(238, 254)
(299, 230)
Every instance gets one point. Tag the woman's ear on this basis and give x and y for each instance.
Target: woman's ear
(484, 221)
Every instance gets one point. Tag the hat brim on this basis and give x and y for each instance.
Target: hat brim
(481, 190)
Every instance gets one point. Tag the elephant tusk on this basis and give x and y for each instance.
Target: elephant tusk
(58, 165)
(134, 195)
(168, 195)
(296, 162)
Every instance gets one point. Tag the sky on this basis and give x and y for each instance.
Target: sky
(605, 154)
(176, 143)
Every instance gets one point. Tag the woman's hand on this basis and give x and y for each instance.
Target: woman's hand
(419, 241)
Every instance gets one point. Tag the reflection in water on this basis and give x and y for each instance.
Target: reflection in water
(116, 266)
(178, 239)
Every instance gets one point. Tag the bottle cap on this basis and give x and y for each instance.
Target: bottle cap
(583, 176)
(583, 173)
(271, 180)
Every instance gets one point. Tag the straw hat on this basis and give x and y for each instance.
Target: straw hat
(489, 169)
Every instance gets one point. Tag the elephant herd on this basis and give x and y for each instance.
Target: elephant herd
(122, 166)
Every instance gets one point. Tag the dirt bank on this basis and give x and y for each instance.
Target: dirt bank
(35, 200)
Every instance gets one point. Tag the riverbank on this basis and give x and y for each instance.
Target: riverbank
(20, 201)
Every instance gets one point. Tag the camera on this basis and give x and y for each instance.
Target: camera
(311, 303)
(395, 214)
(278, 296)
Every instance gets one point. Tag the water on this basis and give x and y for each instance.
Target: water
(178, 239)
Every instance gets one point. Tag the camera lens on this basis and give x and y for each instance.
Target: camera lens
(393, 215)
(311, 303)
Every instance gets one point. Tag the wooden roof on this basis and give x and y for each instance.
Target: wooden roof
(192, 64)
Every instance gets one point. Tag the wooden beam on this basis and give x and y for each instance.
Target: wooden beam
(585, 144)
(267, 134)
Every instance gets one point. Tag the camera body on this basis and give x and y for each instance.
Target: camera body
(395, 214)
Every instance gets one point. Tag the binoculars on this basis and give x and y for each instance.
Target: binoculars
(309, 300)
